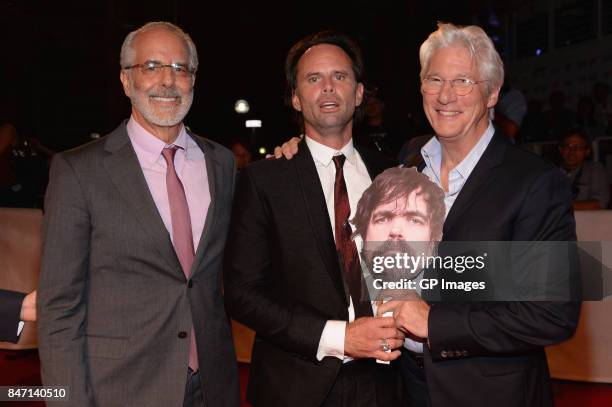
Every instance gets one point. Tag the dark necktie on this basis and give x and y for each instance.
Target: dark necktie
(345, 245)
(182, 236)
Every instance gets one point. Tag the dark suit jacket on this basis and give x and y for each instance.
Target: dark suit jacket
(113, 302)
(283, 279)
(492, 354)
(10, 310)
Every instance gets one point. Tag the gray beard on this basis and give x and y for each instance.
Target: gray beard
(139, 101)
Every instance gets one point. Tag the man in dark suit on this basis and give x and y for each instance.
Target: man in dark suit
(483, 354)
(292, 272)
(15, 308)
(130, 305)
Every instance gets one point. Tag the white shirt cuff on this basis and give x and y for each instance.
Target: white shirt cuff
(20, 327)
(413, 346)
(332, 340)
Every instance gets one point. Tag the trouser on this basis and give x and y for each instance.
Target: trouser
(413, 378)
(365, 383)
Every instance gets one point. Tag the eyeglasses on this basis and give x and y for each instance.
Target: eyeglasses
(153, 68)
(574, 147)
(462, 87)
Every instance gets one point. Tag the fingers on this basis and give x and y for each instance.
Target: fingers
(28, 307)
(386, 307)
(390, 333)
(398, 334)
(383, 322)
(375, 322)
(293, 144)
(395, 343)
(288, 149)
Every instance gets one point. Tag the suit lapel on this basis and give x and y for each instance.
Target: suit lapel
(309, 182)
(214, 174)
(125, 172)
(480, 177)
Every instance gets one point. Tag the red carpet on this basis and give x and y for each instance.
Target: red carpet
(22, 368)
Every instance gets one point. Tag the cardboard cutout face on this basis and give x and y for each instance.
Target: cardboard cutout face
(399, 218)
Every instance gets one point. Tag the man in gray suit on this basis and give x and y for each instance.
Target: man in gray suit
(130, 305)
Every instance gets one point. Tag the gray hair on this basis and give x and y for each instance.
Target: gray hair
(127, 49)
(475, 41)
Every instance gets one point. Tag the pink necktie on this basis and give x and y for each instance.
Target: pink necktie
(182, 236)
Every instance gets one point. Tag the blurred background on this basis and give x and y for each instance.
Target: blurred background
(60, 58)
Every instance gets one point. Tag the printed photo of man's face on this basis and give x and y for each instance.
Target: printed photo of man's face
(403, 218)
(400, 216)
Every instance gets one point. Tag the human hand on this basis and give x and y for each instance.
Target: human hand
(365, 336)
(411, 316)
(288, 149)
(28, 308)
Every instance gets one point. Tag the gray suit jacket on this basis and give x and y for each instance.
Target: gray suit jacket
(113, 302)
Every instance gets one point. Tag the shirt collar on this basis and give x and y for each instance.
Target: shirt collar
(324, 154)
(432, 154)
(467, 165)
(150, 146)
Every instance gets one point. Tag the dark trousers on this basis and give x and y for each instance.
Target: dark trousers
(193, 390)
(414, 382)
(364, 383)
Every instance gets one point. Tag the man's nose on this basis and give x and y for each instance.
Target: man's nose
(447, 93)
(398, 230)
(328, 85)
(168, 77)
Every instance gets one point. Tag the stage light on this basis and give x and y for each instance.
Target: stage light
(241, 106)
(252, 124)
(262, 150)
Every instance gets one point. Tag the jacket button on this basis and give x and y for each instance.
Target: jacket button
(190, 283)
(182, 334)
(443, 354)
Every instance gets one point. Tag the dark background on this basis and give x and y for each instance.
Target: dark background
(60, 64)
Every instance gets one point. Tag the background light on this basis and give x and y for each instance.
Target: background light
(262, 150)
(241, 106)
(252, 124)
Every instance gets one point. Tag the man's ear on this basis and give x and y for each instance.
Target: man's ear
(493, 97)
(359, 94)
(125, 81)
(295, 101)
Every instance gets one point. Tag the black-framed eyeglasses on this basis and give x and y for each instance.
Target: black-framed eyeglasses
(462, 86)
(153, 68)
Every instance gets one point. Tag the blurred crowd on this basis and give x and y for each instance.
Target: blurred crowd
(24, 168)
